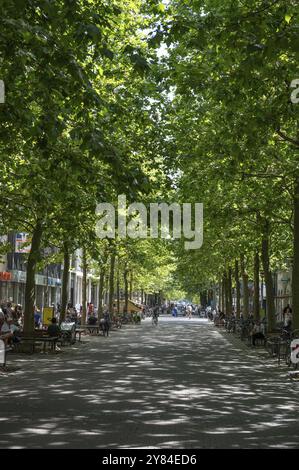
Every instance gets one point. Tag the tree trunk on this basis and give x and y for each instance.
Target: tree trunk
(30, 278)
(118, 289)
(84, 286)
(245, 289)
(131, 285)
(257, 286)
(238, 292)
(295, 275)
(104, 291)
(270, 308)
(210, 296)
(230, 293)
(101, 290)
(226, 293)
(219, 293)
(65, 281)
(160, 297)
(126, 290)
(111, 283)
(223, 294)
(203, 299)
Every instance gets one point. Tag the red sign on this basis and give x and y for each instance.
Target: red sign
(4, 276)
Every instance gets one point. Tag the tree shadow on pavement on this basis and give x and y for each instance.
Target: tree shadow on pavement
(179, 385)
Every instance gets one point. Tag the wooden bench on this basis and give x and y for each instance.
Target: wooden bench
(79, 332)
(92, 329)
(42, 339)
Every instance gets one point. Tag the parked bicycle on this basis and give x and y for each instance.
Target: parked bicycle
(283, 346)
(117, 322)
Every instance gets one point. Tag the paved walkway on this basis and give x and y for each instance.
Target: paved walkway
(182, 384)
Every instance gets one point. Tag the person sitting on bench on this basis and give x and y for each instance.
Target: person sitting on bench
(54, 329)
(5, 331)
(92, 320)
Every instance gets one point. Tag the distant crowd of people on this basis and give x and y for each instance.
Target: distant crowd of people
(12, 318)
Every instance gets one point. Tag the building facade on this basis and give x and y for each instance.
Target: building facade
(13, 276)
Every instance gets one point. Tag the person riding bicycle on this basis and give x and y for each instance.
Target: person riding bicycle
(155, 315)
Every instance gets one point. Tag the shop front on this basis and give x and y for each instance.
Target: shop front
(12, 288)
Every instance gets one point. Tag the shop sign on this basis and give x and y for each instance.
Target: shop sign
(19, 276)
(48, 314)
(5, 276)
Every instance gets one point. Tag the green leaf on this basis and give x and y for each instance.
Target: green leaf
(161, 8)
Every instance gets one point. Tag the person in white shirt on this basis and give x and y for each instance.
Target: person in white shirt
(189, 311)
(5, 332)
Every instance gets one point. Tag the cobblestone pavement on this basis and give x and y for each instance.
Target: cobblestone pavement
(182, 384)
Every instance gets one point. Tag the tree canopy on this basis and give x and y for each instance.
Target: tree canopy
(175, 101)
